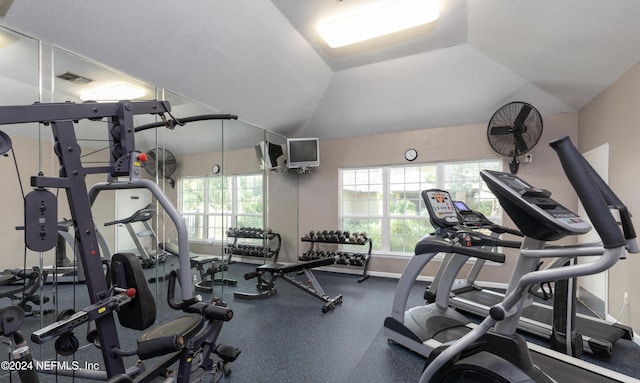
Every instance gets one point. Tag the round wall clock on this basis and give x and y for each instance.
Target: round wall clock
(215, 169)
(411, 154)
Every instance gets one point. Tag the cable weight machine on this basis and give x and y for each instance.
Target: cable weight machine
(125, 293)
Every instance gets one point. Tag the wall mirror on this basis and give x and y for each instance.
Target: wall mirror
(214, 171)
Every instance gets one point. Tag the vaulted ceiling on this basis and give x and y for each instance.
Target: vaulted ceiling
(264, 61)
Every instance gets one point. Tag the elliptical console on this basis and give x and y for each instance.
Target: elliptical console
(532, 209)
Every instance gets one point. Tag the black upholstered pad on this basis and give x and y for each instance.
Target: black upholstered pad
(195, 258)
(185, 326)
(126, 272)
(284, 269)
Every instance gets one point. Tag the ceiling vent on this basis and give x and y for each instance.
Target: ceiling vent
(74, 78)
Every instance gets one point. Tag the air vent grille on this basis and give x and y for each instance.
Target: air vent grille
(74, 78)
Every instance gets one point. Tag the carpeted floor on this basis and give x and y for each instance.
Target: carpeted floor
(287, 337)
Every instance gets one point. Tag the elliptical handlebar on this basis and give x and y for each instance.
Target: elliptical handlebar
(596, 200)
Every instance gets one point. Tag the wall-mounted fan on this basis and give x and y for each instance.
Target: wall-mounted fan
(165, 163)
(514, 130)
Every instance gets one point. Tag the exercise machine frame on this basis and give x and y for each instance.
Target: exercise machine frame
(493, 351)
(597, 335)
(41, 230)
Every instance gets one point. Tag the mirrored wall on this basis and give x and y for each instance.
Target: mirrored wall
(238, 208)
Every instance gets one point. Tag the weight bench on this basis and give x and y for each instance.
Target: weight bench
(21, 285)
(268, 273)
(198, 262)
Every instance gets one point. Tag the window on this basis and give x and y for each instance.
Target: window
(386, 202)
(210, 205)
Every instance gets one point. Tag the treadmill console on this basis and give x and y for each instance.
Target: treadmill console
(533, 210)
(470, 218)
(441, 208)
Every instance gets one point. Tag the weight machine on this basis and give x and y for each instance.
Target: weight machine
(124, 290)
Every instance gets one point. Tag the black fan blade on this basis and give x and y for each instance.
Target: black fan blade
(522, 116)
(521, 145)
(5, 143)
(500, 130)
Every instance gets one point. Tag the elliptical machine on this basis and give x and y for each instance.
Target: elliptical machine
(497, 354)
(597, 336)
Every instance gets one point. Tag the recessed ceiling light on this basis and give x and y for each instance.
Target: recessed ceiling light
(380, 21)
(113, 93)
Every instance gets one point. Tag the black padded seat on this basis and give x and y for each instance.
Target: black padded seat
(157, 340)
(186, 326)
(196, 259)
(273, 267)
(7, 279)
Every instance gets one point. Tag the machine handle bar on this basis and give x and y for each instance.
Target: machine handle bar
(171, 294)
(432, 245)
(595, 199)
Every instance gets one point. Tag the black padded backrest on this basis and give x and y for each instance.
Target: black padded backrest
(126, 272)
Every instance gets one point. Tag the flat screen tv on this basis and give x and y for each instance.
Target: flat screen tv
(303, 153)
(268, 154)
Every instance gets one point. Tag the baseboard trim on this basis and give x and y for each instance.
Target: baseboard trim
(383, 274)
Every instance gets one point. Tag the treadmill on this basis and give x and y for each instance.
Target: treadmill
(148, 257)
(598, 336)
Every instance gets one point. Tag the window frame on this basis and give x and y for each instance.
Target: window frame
(384, 248)
(232, 216)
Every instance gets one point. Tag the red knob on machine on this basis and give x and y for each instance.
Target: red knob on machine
(142, 157)
(131, 292)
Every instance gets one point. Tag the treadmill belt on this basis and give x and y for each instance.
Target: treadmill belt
(598, 330)
(482, 298)
(544, 314)
(565, 372)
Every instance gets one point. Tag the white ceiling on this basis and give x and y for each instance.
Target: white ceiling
(263, 60)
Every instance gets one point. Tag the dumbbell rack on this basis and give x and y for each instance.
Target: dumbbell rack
(251, 249)
(353, 259)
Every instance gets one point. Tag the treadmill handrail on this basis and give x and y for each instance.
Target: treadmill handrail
(488, 240)
(429, 244)
(140, 215)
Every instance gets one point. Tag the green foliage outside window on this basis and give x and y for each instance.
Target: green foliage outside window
(210, 205)
(387, 202)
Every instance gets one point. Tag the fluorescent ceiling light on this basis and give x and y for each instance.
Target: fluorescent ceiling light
(113, 93)
(386, 19)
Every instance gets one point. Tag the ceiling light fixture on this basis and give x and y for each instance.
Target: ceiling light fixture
(113, 93)
(384, 20)
(7, 38)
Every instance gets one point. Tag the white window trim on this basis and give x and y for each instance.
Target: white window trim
(234, 203)
(386, 217)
